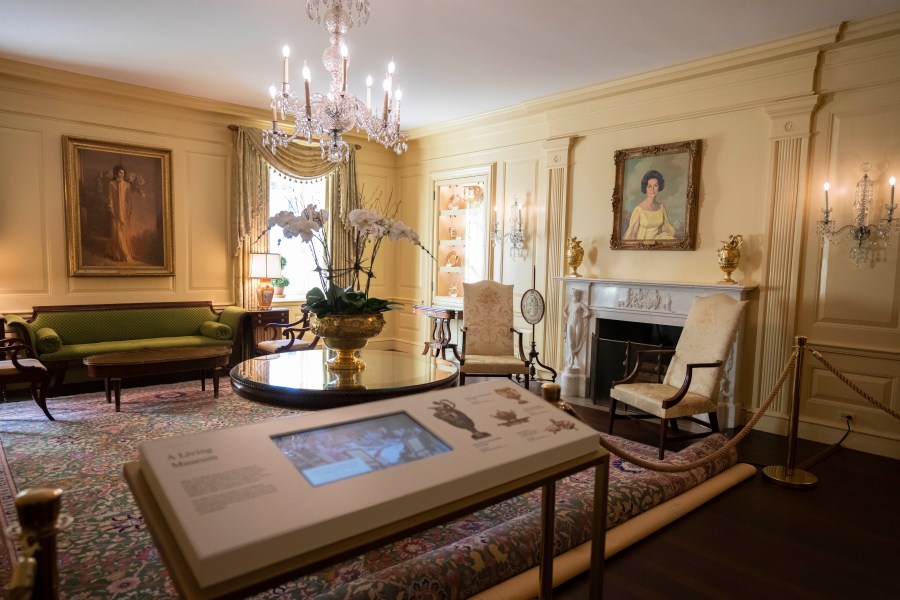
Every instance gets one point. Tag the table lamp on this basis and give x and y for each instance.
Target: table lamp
(264, 267)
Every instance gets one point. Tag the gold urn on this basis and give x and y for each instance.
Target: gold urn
(345, 334)
(730, 256)
(574, 254)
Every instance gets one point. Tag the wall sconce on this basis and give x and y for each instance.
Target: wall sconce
(865, 235)
(516, 236)
(264, 267)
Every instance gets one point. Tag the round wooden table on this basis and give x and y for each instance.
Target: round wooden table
(301, 379)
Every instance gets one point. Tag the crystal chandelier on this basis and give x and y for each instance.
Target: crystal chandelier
(866, 236)
(327, 117)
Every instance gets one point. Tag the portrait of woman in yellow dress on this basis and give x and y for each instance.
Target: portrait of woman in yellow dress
(655, 199)
(649, 219)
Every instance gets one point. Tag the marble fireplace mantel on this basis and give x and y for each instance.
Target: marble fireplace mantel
(659, 302)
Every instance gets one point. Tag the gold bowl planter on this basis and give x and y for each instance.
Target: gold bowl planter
(345, 334)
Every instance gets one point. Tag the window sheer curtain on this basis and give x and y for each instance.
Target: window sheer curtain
(250, 199)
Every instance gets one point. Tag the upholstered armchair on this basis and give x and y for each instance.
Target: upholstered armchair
(288, 337)
(691, 384)
(487, 334)
(18, 365)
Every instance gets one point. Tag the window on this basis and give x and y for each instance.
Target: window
(293, 195)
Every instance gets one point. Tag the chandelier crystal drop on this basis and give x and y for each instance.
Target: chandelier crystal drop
(867, 237)
(326, 117)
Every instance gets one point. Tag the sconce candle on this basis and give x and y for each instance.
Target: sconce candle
(866, 235)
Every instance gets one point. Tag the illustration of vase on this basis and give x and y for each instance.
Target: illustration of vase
(446, 411)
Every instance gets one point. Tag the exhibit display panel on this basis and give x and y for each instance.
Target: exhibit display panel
(242, 498)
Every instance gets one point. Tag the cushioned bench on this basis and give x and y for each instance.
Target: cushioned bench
(63, 336)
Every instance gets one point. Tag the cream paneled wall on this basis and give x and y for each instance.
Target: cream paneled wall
(774, 120)
(38, 106)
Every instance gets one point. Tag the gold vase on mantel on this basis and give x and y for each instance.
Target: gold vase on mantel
(730, 256)
(574, 254)
(345, 334)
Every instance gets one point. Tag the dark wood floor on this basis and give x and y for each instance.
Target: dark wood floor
(840, 539)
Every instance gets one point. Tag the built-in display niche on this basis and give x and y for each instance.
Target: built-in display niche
(461, 233)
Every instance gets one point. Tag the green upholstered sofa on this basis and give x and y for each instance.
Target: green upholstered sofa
(62, 336)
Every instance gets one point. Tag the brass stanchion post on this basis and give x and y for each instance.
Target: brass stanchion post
(787, 475)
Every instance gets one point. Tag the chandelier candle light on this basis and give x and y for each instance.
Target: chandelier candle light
(327, 117)
(865, 235)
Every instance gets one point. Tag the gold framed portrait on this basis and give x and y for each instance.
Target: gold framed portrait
(656, 196)
(118, 209)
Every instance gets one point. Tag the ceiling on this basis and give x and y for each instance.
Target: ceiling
(455, 58)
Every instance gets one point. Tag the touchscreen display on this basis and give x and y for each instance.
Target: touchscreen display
(345, 450)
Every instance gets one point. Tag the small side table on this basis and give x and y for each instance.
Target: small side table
(440, 330)
(254, 325)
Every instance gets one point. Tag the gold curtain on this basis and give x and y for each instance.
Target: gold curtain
(250, 198)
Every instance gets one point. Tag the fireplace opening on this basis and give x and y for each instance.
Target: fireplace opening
(614, 349)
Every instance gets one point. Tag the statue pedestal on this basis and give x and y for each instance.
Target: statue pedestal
(573, 382)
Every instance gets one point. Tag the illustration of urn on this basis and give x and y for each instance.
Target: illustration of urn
(574, 254)
(446, 411)
(730, 256)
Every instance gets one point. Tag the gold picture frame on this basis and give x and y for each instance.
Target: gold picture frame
(118, 209)
(655, 199)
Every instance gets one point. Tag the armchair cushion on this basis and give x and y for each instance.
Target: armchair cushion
(47, 340)
(7, 367)
(707, 336)
(649, 397)
(215, 330)
(492, 364)
(488, 318)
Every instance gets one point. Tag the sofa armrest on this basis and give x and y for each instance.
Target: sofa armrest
(216, 330)
(21, 329)
(232, 316)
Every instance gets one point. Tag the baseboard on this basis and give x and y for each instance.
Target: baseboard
(828, 433)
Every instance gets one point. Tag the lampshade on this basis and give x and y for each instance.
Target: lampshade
(265, 266)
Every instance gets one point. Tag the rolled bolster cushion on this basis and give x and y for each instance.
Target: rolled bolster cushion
(216, 330)
(47, 341)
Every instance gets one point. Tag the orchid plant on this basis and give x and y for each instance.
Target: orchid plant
(369, 229)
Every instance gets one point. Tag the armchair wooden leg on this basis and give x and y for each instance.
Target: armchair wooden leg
(39, 393)
(663, 429)
(526, 383)
(612, 414)
(462, 379)
(713, 422)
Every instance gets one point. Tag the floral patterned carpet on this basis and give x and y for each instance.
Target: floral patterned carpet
(108, 553)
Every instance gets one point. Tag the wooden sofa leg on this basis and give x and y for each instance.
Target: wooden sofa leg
(462, 379)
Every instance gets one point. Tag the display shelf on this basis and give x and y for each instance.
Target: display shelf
(451, 269)
(453, 242)
(454, 212)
